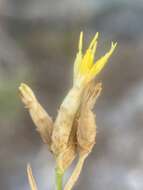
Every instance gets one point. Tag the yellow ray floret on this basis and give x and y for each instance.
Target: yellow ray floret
(84, 66)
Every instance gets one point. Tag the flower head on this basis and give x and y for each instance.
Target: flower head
(73, 133)
(85, 69)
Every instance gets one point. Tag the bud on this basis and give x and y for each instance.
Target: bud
(86, 131)
(40, 117)
(84, 72)
(64, 121)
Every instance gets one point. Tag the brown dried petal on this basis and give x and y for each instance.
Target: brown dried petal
(86, 132)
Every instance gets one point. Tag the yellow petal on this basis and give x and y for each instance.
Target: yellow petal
(93, 41)
(101, 62)
(88, 58)
(86, 62)
(80, 41)
(78, 58)
(94, 49)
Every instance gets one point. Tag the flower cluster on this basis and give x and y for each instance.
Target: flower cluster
(73, 133)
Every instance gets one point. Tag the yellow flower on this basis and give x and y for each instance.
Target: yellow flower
(84, 67)
(74, 130)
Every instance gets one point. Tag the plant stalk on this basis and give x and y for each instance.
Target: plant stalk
(59, 179)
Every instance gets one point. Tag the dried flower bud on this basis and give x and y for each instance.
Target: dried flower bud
(39, 116)
(86, 131)
(84, 72)
(67, 135)
(64, 121)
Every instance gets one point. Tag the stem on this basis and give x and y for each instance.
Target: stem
(59, 179)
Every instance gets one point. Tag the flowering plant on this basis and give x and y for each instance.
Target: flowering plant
(73, 133)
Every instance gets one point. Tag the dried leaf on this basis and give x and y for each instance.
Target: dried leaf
(74, 177)
(86, 132)
(31, 178)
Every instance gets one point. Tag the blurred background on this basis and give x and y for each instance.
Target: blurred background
(38, 44)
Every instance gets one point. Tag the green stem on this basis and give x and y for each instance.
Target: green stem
(59, 179)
